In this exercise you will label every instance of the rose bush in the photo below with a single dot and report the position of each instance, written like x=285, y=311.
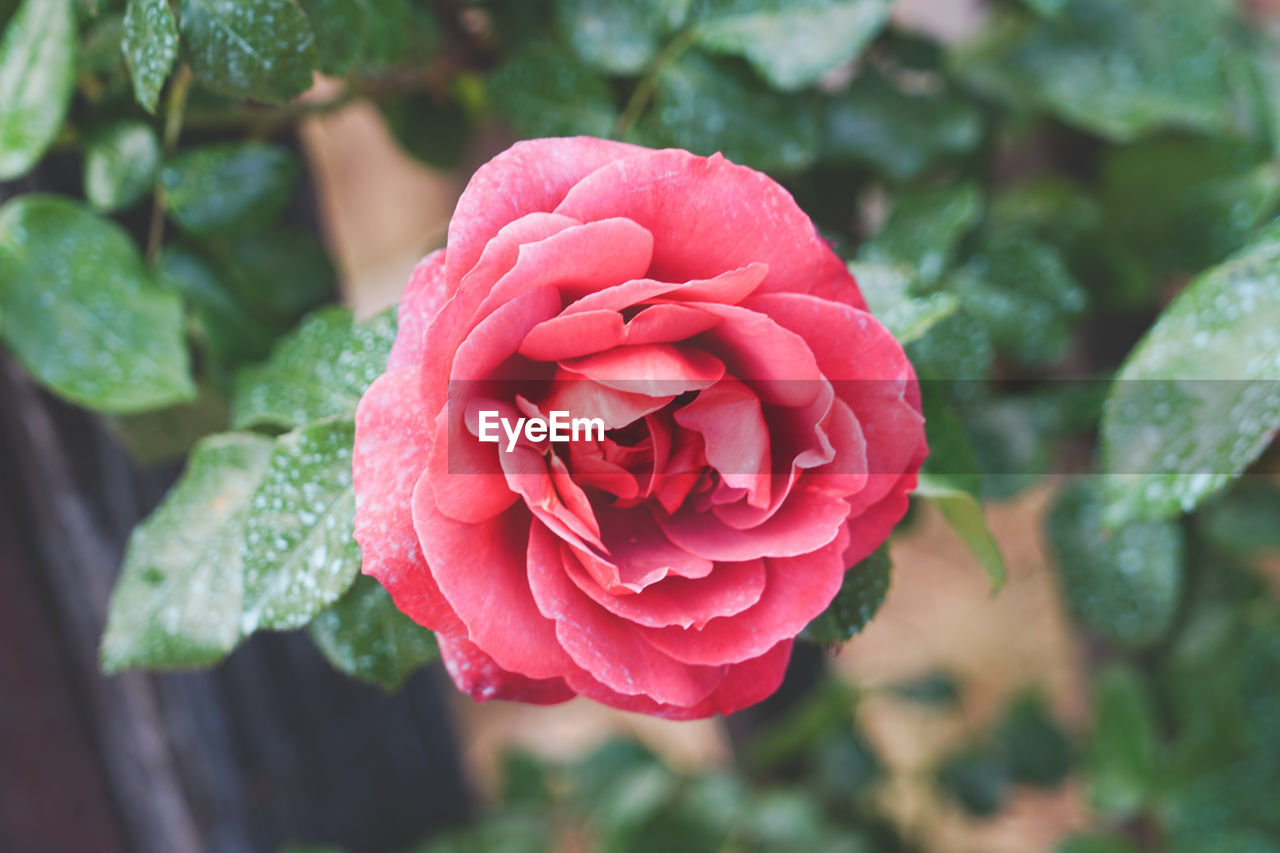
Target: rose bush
x=764, y=432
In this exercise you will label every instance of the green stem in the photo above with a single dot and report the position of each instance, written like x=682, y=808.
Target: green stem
x=642, y=94
x=174, y=108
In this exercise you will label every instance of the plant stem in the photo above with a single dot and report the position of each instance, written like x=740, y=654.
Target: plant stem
x=174, y=108
x=648, y=83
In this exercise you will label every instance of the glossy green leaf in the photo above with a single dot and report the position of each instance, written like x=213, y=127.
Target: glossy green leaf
x=300, y=555
x=901, y=134
x=861, y=594
x=545, y=92
x=150, y=48
x=120, y=165
x=259, y=49
x=1122, y=755
x=619, y=36
x=320, y=370
x=365, y=636
x=79, y=309
x=228, y=186
x=1118, y=69
x=1198, y=398
x=704, y=105
x=340, y=28
x=177, y=603
x=1122, y=583
x=37, y=72
x=792, y=43
x=924, y=230
x=963, y=512
x=232, y=331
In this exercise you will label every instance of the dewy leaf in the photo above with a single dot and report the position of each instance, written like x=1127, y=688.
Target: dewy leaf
x=120, y=165
x=707, y=105
x=1124, y=583
x=792, y=43
x=900, y=133
x=365, y=636
x=320, y=370
x=1118, y=69
x=1198, y=398
x=546, y=92
x=37, y=72
x=228, y=186
x=963, y=512
x=300, y=554
x=259, y=49
x=860, y=596
x=618, y=36
x=177, y=603
x=340, y=27
x=924, y=229
x=150, y=48
x=79, y=309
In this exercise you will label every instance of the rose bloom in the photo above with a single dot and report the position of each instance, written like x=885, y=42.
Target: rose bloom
x=763, y=432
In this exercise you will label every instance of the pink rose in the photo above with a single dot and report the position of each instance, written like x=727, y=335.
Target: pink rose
x=763, y=432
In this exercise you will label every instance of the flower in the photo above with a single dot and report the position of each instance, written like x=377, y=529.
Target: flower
x=763, y=432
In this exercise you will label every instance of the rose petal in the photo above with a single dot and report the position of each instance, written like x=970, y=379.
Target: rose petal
x=807, y=520
x=654, y=370
x=480, y=677
x=666, y=322
x=423, y=297
x=573, y=335
x=729, y=419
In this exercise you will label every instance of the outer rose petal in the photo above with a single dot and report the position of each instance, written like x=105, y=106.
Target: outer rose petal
x=423, y=298
x=392, y=444
x=528, y=177
x=480, y=677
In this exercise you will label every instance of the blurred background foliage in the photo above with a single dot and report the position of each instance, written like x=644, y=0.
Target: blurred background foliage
x=1067, y=216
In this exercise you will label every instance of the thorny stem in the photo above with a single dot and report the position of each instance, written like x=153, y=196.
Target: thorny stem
x=174, y=107
x=648, y=83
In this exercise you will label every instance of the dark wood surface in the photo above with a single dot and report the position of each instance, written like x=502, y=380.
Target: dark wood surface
x=271, y=747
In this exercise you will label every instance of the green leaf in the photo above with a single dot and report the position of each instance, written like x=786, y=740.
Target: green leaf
x=793, y=43
x=937, y=689
x=545, y=92
x=299, y=552
x=120, y=165
x=925, y=228
x=1096, y=843
x=1118, y=69
x=977, y=779
x=963, y=512
x=150, y=48
x=320, y=370
x=618, y=36
x=1021, y=290
x=1123, y=583
x=901, y=134
x=259, y=49
x=1036, y=747
x=1122, y=754
x=1243, y=520
x=340, y=28
x=79, y=309
x=365, y=636
x=951, y=456
x=228, y=186
x=1198, y=398
x=37, y=73
x=954, y=346
x=1047, y=7
x=169, y=433
x=860, y=596
x=706, y=106
x=279, y=273
x=229, y=328
x=177, y=603
x=435, y=131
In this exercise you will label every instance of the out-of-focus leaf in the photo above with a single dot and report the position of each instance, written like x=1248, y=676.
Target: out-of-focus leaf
x=37, y=72
x=1124, y=583
x=1038, y=751
x=228, y=186
x=365, y=636
x=279, y=273
x=924, y=229
x=963, y=512
x=120, y=165
x=1198, y=398
x=707, y=106
x=1096, y=844
x=318, y=371
x=954, y=346
x=150, y=48
x=258, y=49
x=1243, y=520
x=901, y=134
x=340, y=32
x=169, y=433
x=1020, y=289
x=1122, y=759
x=399, y=31
x=792, y=43
x=79, y=309
x=299, y=553
x=619, y=36
x=977, y=779
x=860, y=596
x=1117, y=69
x=939, y=689
x=177, y=603
x=434, y=131
x=232, y=332
x=545, y=92
x=951, y=457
